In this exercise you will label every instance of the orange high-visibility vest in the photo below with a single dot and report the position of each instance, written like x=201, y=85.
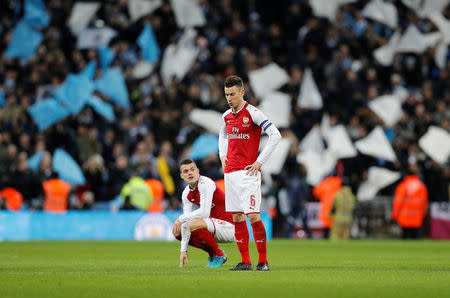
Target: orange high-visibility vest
x=326, y=192
x=56, y=195
x=220, y=184
x=410, y=202
x=13, y=198
x=156, y=187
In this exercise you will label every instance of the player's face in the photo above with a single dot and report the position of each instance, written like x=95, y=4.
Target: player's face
x=189, y=173
x=234, y=96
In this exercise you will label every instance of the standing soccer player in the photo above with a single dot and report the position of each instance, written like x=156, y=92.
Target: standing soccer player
x=238, y=149
x=209, y=223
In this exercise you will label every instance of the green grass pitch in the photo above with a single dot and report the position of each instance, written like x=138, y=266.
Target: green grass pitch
x=299, y=269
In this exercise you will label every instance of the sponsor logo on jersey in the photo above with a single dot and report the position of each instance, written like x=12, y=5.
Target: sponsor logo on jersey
x=237, y=135
x=243, y=136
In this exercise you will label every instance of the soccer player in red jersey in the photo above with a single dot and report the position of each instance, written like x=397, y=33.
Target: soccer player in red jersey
x=238, y=149
x=209, y=223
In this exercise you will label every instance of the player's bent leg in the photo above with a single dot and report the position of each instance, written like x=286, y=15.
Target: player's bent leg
x=197, y=223
x=176, y=230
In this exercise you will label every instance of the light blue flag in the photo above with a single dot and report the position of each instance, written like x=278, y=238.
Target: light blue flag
x=89, y=70
x=34, y=161
x=112, y=85
x=24, y=42
x=47, y=113
x=75, y=92
x=147, y=42
x=204, y=145
x=35, y=14
x=67, y=168
x=106, y=57
x=2, y=98
x=103, y=108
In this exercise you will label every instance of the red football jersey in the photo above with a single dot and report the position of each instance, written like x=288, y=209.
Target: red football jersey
x=201, y=196
x=243, y=131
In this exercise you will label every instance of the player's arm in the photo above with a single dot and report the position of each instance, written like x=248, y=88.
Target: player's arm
x=185, y=237
x=206, y=189
x=274, y=138
x=188, y=207
x=223, y=144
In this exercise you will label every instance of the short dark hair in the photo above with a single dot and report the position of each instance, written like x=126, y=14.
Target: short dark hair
x=186, y=161
x=233, y=81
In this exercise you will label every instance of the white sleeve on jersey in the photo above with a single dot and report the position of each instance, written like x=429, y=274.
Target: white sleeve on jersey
x=188, y=207
x=206, y=188
x=261, y=120
x=185, y=237
x=223, y=141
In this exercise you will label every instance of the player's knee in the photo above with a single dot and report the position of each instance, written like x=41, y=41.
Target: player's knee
x=254, y=217
x=238, y=217
x=176, y=233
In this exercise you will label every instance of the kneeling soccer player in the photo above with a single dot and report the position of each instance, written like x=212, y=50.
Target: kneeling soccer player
x=207, y=225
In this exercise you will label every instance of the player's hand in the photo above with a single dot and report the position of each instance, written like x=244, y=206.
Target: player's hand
x=253, y=168
x=224, y=160
x=183, y=258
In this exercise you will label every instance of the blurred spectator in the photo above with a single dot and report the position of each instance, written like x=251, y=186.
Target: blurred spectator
x=342, y=212
x=410, y=204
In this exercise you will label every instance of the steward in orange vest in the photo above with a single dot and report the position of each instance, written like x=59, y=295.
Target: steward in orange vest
x=56, y=195
x=410, y=205
x=326, y=192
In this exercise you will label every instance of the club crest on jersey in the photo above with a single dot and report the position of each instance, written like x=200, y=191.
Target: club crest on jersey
x=245, y=121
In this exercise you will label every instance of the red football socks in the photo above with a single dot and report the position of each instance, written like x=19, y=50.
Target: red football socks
x=259, y=233
x=241, y=235
x=203, y=239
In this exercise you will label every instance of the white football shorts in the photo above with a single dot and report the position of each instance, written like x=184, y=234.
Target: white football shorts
x=242, y=192
x=223, y=231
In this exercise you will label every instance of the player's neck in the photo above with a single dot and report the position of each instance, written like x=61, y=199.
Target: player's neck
x=239, y=107
x=193, y=185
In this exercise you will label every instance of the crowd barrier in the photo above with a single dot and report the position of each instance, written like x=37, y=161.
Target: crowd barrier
x=94, y=225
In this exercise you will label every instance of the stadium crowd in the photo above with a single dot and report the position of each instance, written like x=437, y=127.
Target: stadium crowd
x=239, y=37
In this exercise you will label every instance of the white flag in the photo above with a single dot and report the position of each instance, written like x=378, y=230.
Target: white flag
x=378, y=178
x=327, y=8
x=142, y=69
x=339, y=143
x=81, y=15
x=388, y=108
x=436, y=144
x=377, y=145
x=140, y=8
x=94, y=38
x=424, y=7
x=208, y=119
x=382, y=12
x=179, y=58
x=267, y=79
x=278, y=157
x=312, y=141
x=440, y=54
x=385, y=54
x=442, y=23
x=188, y=13
x=412, y=41
x=317, y=165
x=325, y=125
x=277, y=107
x=309, y=96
